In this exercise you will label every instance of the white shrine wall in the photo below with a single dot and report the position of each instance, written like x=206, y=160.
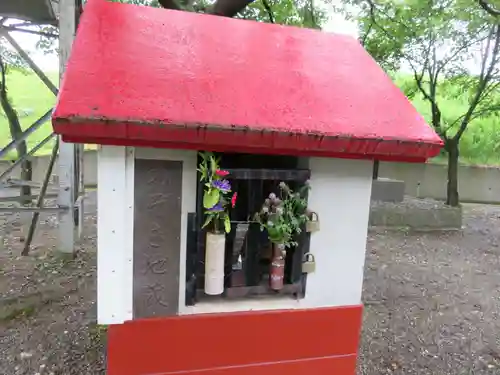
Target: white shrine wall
x=340, y=194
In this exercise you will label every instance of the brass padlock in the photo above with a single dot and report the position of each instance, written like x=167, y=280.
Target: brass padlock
x=312, y=225
x=309, y=263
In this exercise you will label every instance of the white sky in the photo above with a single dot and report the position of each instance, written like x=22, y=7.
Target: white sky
x=49, y=63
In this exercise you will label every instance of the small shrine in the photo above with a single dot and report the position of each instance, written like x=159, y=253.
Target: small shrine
x=234, y=178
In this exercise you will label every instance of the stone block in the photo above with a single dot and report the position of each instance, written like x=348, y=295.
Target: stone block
x=387, y=190
x=416, y=214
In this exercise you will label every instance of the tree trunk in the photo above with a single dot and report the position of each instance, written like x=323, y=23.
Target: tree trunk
x=452, y=197
x=15, y=132
x=26, y=175
x=376, y=165
x=225, y=8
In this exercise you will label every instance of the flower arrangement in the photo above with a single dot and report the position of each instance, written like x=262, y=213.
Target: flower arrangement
x=217, y=194
x=283, y=217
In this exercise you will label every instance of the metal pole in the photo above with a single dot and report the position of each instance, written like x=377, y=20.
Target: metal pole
x=81, y=189
x=81, y=148
x=67, y=180
x=34, y=209
x=41, y=197
x=28, y=31
x=24, y=157
x=26, y=133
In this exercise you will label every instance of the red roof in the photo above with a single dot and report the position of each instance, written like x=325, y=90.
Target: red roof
x=162, y=78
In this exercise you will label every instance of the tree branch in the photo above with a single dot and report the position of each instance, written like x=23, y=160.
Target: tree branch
x=431, y=98
x=374, y=22
x=268, y=10
x=458, y=51
x=170, y=4
x=187, y=3
x=3, y=74
x=229, y=8
x=477, y=114
x=490, y=89
x=313, y=15
x=373, y=7
x=489, y=8
x=367, y=34
x=224, y=8
x=484, y=78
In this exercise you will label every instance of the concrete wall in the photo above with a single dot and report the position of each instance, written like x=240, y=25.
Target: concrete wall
x=415, y=214
x=476, y=184
x=40, y=164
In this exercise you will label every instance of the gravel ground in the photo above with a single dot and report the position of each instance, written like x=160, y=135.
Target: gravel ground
x=431, y=301
x=47, y=304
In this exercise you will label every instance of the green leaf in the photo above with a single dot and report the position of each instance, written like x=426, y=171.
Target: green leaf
x=210, y=198
x=208, y=220
x=213, y=164
x=227, y=224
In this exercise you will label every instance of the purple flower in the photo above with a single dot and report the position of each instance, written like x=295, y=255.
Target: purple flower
x=216, y=208
x=222, y=185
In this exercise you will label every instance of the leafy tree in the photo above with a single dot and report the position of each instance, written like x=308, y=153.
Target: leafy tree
x=436, y=40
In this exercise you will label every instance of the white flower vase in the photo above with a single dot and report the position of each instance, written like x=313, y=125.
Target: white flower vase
x=214, y=263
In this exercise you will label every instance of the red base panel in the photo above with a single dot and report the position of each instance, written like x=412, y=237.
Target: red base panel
x=288, y=342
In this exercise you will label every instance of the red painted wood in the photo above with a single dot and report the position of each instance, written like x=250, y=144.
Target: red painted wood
x=271, y=143
x=221, y=343
x=146, y=74
x=208, y=147
x=331, y=366
x=222, y=148
x=252, y=149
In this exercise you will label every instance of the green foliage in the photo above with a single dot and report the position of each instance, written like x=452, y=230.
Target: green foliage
x=216, y=194
x=283, y=217
x=302, y=13
x=480, y=144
